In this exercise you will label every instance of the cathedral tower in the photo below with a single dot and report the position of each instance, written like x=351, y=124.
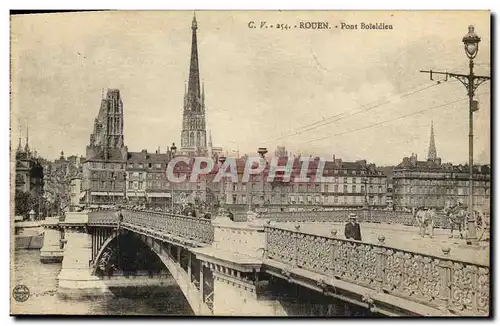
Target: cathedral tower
x=107, y=136
x=193, y=136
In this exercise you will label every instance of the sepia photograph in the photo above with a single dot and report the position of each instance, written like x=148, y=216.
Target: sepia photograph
x=250, y=163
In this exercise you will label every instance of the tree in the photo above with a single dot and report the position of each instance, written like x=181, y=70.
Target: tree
x=22, y=203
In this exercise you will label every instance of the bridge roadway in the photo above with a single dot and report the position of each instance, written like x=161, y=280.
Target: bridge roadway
x=402, y=237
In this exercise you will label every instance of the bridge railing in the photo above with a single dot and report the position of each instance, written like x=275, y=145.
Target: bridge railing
x=108, y=217
x=341, y=216
x=434, y=281
x=193, y=228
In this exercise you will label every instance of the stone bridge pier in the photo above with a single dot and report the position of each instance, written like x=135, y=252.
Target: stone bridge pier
x=52, y=249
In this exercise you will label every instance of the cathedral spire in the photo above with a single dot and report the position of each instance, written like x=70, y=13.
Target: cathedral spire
x=432, y=154
x=194, y=72
x=193, y=135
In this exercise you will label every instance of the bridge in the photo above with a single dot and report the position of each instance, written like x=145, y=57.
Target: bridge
x=270, y=267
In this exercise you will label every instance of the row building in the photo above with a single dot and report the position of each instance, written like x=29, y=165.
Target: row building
x=431, y=183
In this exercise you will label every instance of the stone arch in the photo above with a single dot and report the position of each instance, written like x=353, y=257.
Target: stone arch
x=191, y=293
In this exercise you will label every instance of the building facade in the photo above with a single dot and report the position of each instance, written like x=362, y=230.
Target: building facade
x=433, y=184
x=353, y=185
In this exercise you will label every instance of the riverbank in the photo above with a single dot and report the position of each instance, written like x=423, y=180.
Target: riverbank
x=29, y=242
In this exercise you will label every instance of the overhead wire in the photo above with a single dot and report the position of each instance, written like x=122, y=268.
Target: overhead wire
x=388, y=121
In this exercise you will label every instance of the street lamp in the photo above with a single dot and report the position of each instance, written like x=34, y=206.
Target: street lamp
x=471, y=82
x=471, y=43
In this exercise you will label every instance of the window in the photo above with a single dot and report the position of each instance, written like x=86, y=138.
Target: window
x=140, y=185
x=150, y=165
x=353, y=188
x=141, y=166
x=345, y=188
x=131, y=165
x=235, y=187
x=158, y=165
x=335, y=199
x=244, y=188
x=150, y=184
x=326, y=188
x=336, y=188
x=131, y=184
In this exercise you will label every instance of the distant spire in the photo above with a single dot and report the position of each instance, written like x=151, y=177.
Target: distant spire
x=20, y=146
x=432, y=154
x=26, y=147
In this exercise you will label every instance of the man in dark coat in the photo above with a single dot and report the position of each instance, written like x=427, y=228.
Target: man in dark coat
x=352, y=229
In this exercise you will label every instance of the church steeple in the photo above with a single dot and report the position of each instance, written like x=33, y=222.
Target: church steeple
x=432, y=154
x=194, y=72
x=193, y=136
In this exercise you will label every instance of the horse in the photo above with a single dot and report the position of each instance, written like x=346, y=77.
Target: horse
x=457, y=216
x=425, y=219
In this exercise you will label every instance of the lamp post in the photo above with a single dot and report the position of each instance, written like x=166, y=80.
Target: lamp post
x=124, y=187
x=471, y=82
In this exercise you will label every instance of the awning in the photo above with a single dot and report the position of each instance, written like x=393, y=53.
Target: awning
x=102, y=193
x=136, y=194
x=159, y=194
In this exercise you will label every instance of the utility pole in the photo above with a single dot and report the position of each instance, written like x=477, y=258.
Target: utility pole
x=471, y=83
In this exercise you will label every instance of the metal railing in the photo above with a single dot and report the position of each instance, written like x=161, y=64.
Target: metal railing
x=103, y=218
x=370, y=216
x=200, y=230
x=434, y=281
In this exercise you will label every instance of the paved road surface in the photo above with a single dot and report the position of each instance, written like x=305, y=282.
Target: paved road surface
x=404, y=237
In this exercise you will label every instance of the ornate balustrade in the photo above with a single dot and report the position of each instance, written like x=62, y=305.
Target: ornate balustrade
x=200, y=230
x=371, y=216
x=103, y=218
x=461, y=287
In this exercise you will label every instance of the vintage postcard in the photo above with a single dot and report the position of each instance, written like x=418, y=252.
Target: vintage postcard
x=251, y=163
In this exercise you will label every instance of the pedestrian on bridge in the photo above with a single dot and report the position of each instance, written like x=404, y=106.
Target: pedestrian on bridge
x=352, y=228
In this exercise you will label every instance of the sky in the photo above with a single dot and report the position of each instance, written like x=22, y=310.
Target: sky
x=263, y=87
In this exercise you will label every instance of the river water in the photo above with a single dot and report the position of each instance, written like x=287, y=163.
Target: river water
x=41, y=281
